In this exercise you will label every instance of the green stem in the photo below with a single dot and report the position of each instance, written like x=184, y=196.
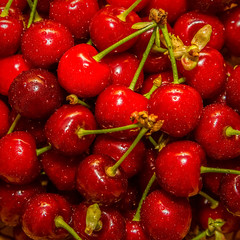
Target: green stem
x=124, y=15
x=111, y=171
x=36, y=16
x=73, y=99
x=60, y=223
x=143, y=60
x=158, y=49
x=14, y=124
x=89, y=42
x=219, y=170
x=83, y=132
x=154, y=143
x=102, y=54
x=152, y=90
x=6, y=9
x=170, y=50
x=32, y=14
x=200, y=236
x=43, y=150
x=214, y=203
x=229, y=131
x=145, y=193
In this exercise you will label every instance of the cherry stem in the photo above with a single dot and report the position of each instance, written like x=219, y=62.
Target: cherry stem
x=154, y=143
x=155, y=48
x=143, y=60
x=102, y=54
x=32, y=14
x=83, y=132
x=73, y=99
x=214, y=203
x=145, y=193
x=37, y=16
x=43, y=150
x=124, y=15
x=89, y=42
x=219, y=170
x=60, y=223
x=201, y=235
x=6, y=9
x=171, y=54
x=12, y=127
x=229, y=131
x=111, y=171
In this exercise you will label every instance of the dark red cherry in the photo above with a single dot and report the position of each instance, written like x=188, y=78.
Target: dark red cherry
x=13, y=200
x=4, y=115
x=35, y=94
x=18, y=158
x=80, y=74
x=208, y=81
x=106, y=28
x=180, y=106
x=165, y=216
x=114, y=107
x=211, y=132
x=75, y=15
x=61, y=129
x=95, y=185
x=10, y=68
x=189, y=23
x=44, y=42
x=112, y=224
x=39, y=215
x=128, y=3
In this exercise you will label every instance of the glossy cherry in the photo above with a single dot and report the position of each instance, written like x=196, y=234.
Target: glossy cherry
x=180, y=106
x=61, y=129
x=35, y=94
x=44, y=42
x=4, y=116
x=94, y=183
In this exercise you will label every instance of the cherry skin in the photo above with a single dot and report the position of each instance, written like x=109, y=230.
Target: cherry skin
x=44, y=42
x=75, y=15
x=165, y=216
x=80, y=74
x=95, y=185
x=115, y=148
x=208, y=81
x=114, y=107
x=15, y=65
x=35, y=94
x=22, y=165
x=180, y=106
x=61, y=129
x=113, y=224
x=20, y=4
x=210, y=132
x=106, y=28
x=189, y=23
x=4, y=115
x=39, y=215
x=128, y=3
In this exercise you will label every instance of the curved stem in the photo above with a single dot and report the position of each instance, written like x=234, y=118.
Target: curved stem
x=32, y=14
x=12, y=127
x=145, y=193
x=200, y=236
x=143, y=60
x=152, y=90
x=219, y=170
x=73, y=99
x=229, y=131
x=60, y=223
x=43, y=150
x=6, y=9
x=111, y=171
x=102, y=54
x=214, y=203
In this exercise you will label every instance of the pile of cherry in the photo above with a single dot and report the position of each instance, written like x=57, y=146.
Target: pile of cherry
x=119, y=120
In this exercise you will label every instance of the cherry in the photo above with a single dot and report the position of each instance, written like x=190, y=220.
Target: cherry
x=95, y=185
x=189, y=23
x=40, y=214
x=22, y=165
x=35, y=94
x=179, y=106
x=44, y=42
x=75, y=15
x=115, y=148
x=165, y=216
x=211, y=132
x=4, y=115
x=43, y=6
x=13, y=200
x=61, y=129
x=111, y=224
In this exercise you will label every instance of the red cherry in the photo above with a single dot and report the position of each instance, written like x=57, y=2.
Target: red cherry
x=44, y=42
x=35, y=94
x=4, y=115
x=61, y=129
x=180, y=106
x=128, y=3
x=82, y=75
x=22, y=165
x=165, y=216
x=39, y=215
x=95, y=185
x=106, y=28
x=75, y=15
